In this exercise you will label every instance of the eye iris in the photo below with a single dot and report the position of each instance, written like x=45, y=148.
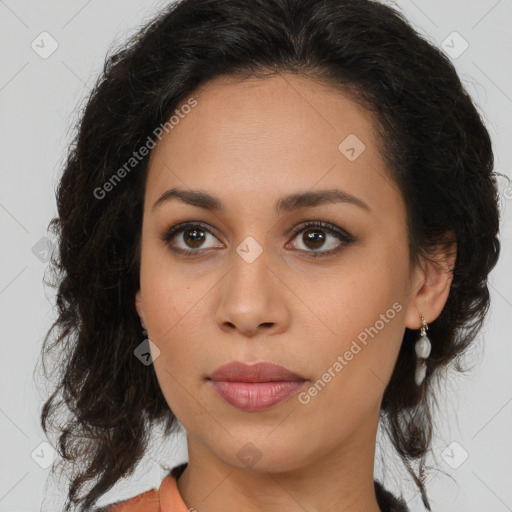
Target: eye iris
x=194, y=237
x=314, y=237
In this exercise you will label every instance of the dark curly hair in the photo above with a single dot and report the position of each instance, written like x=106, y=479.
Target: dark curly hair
x=430, y=134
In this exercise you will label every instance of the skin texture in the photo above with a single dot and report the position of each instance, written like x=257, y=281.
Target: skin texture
x=249, y=143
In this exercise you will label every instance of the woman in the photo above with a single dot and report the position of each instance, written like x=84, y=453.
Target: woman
x=276, y=226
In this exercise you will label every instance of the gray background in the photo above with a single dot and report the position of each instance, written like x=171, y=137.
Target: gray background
x=40, y=99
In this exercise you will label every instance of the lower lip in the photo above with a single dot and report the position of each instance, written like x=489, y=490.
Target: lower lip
x=256, y=396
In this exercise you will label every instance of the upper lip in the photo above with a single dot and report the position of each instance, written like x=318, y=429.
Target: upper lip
x=236, y=371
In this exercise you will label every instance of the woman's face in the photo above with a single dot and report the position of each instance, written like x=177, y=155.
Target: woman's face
x=331, y=309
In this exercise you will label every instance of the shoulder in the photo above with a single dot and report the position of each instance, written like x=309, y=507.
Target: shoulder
x=148, y=501
x=167, y=497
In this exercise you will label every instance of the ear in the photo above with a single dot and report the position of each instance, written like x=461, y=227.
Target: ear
x=140, y=308
x=431, y=282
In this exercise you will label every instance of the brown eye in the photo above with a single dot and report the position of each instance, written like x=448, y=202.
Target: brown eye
x=194, y=237
x=190, y=238
x=318, y=239
x=313, y=238
x=321, y=239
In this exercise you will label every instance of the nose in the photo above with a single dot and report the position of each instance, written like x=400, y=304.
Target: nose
x=253, y=299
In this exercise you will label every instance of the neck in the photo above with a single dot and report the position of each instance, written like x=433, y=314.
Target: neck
x=340, y=480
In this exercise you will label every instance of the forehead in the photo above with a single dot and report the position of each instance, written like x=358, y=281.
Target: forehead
x=258, y=138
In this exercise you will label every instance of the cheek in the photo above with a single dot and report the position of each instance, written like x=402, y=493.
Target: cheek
x=171, y=292
x=354, y=365
x=178, y=311
x=174, y=308
x=363, y=309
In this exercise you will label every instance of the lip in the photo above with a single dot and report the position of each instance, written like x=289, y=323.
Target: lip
x=236, y=371
x=256, y=386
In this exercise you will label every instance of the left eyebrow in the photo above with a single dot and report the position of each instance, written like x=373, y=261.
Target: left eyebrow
x=284, y=205
x=310, y=199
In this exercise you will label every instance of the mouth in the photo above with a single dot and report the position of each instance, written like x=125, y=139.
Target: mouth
x=255, y=387
x=237, y=371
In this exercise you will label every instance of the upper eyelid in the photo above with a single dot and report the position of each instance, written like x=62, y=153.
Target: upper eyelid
x=327, y=225
x=295, y=230
x=178, y=228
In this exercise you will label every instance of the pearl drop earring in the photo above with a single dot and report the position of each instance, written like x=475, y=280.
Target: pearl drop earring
x=422, y=348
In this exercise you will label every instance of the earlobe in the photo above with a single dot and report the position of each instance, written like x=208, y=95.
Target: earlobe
x=140, y=308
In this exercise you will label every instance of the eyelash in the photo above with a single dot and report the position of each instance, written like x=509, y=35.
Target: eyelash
x=344, y=237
